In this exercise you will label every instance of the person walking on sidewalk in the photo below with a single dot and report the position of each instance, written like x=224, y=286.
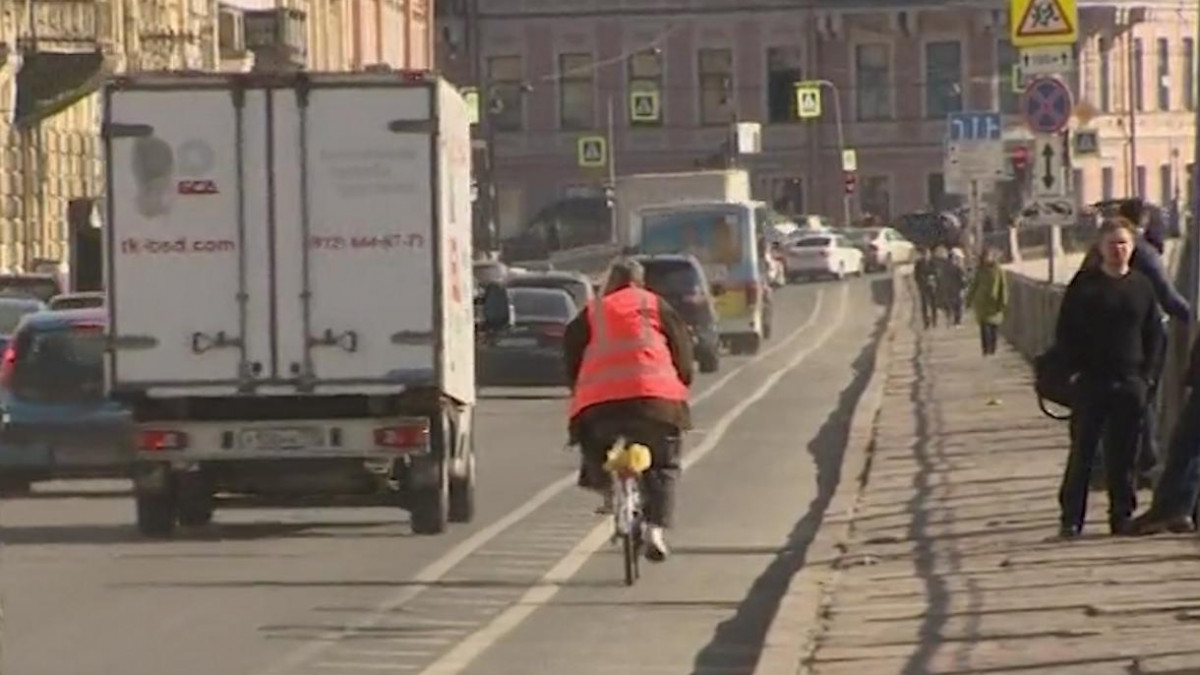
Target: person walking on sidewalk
x=1108, y=327
x=951, y=280
x=987, y=296
x=925, y=275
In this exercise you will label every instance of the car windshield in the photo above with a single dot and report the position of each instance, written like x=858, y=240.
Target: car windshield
x=11, y=313
x=713, y=235
x=814, y=242
x=533, y=305
x=859, y=236
x=77, y=302
x=61, y=364
x=577, y=288
x=670, y=278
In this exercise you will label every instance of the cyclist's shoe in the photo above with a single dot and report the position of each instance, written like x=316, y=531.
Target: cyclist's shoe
x=606, y=507
x=656, y=544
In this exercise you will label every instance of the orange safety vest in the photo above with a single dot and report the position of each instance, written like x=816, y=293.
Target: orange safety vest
x=627, y=356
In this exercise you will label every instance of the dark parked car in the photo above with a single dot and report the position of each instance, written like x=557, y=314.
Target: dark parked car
x=13, y=308
x=57, y=421
x=680, y=279
x=578, y=285
x=529, y=352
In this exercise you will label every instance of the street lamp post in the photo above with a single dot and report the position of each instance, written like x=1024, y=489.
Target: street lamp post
x=841, y=138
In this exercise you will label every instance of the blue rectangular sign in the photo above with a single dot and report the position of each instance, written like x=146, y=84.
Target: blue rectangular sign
x=974, y=126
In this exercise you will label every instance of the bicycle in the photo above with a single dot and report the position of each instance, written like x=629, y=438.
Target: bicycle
x=626, y=463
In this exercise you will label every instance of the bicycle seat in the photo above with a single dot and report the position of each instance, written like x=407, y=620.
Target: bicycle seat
x=632, y=458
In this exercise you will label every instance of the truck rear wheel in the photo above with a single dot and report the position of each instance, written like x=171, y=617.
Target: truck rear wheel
x=194, y=502
x=430, y=507
x=462, y=488
x=156, y=513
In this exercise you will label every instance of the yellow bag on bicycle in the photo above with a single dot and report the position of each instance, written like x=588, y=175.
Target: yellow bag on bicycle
x=633, y=457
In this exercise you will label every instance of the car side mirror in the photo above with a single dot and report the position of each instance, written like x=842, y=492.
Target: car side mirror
x=497, y=308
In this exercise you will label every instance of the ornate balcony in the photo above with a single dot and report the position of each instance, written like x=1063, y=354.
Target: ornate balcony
x=277, y=37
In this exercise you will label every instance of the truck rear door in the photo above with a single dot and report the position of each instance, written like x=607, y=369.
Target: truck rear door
x=354, y=238
x=186, y=205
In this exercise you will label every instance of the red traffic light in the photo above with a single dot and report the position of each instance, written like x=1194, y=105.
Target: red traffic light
x=850, y=180
x=1020, y=157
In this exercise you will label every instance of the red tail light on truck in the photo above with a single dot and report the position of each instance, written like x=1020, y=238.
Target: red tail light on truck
x=156, y=440
x=409, y=435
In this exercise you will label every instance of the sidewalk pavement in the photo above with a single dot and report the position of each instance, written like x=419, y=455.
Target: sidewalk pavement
x=951, y=566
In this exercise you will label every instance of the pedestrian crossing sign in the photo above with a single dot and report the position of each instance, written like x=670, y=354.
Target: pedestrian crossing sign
x=593, y=151
x=643, y=106
x=808, y=100
x=1037, y=23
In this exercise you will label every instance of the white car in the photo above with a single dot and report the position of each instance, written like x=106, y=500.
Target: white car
x=882, y=247
x=822, y=255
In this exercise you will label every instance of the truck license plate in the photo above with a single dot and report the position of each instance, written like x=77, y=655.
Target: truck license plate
x=282, y=438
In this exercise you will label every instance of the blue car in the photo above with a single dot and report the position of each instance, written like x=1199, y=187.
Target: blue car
x=55, y=420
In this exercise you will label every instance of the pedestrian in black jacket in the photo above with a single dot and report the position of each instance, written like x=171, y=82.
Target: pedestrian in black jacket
x=1108, y=325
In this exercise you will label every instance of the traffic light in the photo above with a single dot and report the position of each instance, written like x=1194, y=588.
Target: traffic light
x=1020, y=158
x=850, y=180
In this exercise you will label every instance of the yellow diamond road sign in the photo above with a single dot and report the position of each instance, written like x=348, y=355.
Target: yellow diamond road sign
x=1038, y=23
x=808, y=100
x=593, y=151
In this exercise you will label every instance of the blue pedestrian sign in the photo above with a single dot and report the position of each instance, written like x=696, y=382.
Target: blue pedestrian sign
x=1047, y=105
x=974, y=126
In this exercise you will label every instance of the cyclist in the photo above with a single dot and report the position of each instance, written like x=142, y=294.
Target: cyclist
x=629, y=362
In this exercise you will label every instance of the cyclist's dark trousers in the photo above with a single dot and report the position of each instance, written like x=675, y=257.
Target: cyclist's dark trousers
x=665, y=445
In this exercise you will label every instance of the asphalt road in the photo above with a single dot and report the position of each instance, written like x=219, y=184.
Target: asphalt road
x=532, y=586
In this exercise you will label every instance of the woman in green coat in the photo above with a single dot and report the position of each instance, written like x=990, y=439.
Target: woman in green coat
x=987, y=295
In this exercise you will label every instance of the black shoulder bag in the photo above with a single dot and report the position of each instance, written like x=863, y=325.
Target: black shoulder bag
x=1052, y=375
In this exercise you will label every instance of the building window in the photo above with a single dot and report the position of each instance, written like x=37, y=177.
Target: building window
x=506, y=105
x=646, y=75
x=1190, y=188
x=1140, y=188
x=1105, y=76
x=877, y=196
x=1139, y=77
x=1106, y=183
x=1006, y=62
x=576, y=92
x=787, y=196
x=1164, y=76
x=873, y=82
x=935, y=190
x=943, y=79
x=784, y=70
x=1166, y=191
x=716, y=86
x=1189, y=74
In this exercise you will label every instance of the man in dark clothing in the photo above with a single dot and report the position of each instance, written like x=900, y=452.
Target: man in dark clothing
x=1109, y=326
x=926, y=276
x=654, y=422
x=1146, y=259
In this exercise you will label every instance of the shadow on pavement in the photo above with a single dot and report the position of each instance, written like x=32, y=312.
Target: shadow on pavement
x=128, y=534
x=737, y=642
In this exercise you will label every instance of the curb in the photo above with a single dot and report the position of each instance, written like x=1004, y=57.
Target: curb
x=792, y=636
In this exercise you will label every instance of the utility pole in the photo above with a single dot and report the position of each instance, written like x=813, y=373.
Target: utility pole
x=485, y=183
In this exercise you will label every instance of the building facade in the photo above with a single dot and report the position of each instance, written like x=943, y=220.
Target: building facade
x=53, y=62
x=549, y=70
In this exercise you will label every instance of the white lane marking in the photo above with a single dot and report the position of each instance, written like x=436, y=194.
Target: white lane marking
x=464, y=653
x=390, y=653
x=436, y=570
x=356, y=665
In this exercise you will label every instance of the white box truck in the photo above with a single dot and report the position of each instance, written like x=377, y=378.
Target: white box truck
x=289, y=291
